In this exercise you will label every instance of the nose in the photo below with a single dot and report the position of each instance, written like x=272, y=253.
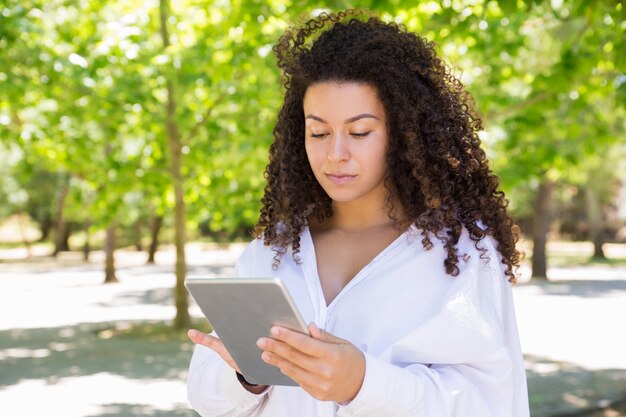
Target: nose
x=338, y=148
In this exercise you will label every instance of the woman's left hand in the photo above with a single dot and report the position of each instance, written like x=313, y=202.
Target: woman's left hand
x=327, y=367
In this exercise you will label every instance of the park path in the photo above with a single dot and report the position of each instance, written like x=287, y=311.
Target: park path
x=54, y=361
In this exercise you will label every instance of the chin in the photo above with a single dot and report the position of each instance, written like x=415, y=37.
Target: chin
x=342, y=196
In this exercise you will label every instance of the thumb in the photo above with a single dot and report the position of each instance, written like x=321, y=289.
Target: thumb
x=323, y=335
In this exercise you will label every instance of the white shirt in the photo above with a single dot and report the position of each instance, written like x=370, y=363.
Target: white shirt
x=435, y=345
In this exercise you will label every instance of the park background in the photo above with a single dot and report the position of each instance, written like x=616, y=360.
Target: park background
x=133, y=139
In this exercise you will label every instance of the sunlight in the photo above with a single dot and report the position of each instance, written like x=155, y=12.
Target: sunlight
x=82, y=396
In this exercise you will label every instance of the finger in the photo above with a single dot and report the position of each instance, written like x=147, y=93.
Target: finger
x=289, y=353
x=214, y=344
x=324, y=336
x=201, y=338
x=301, y=342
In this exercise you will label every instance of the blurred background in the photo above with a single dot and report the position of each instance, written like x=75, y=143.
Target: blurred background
x=133, y=139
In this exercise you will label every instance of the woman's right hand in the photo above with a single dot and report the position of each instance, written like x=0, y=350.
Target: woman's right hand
x=214, y=344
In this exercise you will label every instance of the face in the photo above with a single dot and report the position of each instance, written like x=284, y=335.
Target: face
x=346, y=140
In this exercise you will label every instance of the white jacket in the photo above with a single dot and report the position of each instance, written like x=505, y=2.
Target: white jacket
x=435, y=345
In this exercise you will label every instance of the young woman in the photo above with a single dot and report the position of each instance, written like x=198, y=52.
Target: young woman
x=384, y=221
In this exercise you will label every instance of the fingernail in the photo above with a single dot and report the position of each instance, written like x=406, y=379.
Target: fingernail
x=275, y=331
x=265, y=356
x=192, y=333
x=261, y=342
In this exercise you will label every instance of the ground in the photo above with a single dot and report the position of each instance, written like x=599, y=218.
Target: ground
x=63, y=353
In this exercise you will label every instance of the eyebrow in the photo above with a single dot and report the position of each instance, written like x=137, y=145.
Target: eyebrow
x=350, y=120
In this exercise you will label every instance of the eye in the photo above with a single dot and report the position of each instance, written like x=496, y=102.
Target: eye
x=361, y=135
x=319, y=135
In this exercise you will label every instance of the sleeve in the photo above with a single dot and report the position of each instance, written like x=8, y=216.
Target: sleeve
x=212, y=386
x=464, y=359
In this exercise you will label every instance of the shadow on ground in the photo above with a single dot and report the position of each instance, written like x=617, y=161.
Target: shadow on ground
x=51, y=354
x=154, y=296
x=581, y=288
x=128, y=410
x=562, y=388
x=46, y=264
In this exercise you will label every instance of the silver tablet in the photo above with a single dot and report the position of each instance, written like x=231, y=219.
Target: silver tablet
x=241, y=310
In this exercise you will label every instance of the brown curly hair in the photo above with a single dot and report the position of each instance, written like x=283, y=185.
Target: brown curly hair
x=436, y=168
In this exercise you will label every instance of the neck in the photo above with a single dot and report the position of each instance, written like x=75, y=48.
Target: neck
x=358, y=216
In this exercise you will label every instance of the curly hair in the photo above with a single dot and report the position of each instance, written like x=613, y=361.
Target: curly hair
x=436, y=168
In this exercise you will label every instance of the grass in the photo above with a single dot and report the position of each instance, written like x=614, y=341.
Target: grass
x=18, y=245
x=152, y=331
x=575, y=254
x=563, y=261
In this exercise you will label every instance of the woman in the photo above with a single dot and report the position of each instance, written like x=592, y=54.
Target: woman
x=383, y=219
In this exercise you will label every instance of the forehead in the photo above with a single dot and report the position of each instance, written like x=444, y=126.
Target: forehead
x=335, y=100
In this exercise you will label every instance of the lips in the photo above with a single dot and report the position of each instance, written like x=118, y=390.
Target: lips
x=340, y=178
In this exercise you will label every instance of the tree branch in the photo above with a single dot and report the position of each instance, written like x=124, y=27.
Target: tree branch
x=519, y=106
x=207, y=114
x=205, y=117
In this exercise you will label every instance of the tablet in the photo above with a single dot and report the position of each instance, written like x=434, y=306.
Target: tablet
x=241, y=310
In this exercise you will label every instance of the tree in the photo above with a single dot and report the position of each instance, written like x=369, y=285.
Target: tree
x=166, y=113
x=547, y=77
x=182, y=318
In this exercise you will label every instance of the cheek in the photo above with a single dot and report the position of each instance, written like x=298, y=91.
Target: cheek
x=309, y=154
x=313, y=154
x=377, y=163
x=374, y=157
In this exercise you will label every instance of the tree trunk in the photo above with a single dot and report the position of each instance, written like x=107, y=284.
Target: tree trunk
x=155, y=227
x=137, y=231
x=20, y=224
x=541, y=226
x=60, y=238
x=182, y=319
x=64, y=244
x=45, y=226
x=109, y=249
x=594, y=219
x=86, y=245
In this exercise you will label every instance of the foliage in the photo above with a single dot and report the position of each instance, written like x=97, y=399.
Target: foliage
x=83, y=88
